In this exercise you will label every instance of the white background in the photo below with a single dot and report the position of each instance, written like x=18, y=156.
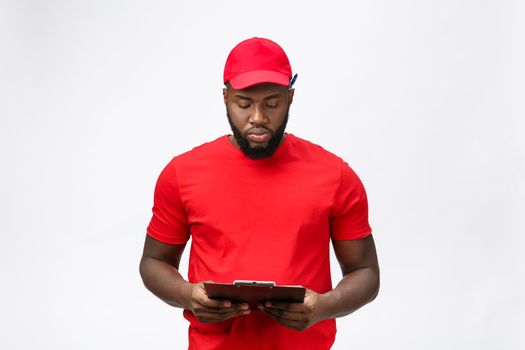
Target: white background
x=424, y=99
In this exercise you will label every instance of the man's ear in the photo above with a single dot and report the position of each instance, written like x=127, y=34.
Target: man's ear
x=290, y=95
x=224, y=92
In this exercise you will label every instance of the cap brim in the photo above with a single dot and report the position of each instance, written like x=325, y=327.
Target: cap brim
x=245, y=80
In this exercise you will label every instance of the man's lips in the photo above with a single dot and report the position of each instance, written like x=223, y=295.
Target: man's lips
x=258, y=135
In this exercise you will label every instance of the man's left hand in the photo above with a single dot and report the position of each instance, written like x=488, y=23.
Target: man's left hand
x=298, y=316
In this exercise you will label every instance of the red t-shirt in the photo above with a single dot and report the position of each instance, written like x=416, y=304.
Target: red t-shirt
x=269, y=219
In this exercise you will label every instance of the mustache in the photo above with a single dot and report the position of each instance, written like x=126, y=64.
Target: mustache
x=258, y=127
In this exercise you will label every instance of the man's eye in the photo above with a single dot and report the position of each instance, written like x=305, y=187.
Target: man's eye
x=272, y=106
x=243, y=106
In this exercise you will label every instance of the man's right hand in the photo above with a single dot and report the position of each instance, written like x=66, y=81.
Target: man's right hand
x=209, y=310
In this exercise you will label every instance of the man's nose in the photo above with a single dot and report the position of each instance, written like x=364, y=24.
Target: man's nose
x=257, y=117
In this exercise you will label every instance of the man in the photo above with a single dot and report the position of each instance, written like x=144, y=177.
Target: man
x=260, y=204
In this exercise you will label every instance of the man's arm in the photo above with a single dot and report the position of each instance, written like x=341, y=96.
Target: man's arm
x=360, y=283
x=359, y=286
x=159, y=271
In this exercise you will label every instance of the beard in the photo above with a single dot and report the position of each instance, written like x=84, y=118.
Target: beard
x=259, y=152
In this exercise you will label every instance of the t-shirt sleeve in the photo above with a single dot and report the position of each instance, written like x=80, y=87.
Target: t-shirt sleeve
x=349, y=219
x=169, y=221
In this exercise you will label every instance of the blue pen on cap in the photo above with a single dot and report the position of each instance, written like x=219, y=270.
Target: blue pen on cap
x=293, y=80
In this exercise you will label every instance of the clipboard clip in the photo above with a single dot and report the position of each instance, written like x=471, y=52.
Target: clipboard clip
x=254, y=283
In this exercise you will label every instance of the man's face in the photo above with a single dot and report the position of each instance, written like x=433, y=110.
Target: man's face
x=258, y=117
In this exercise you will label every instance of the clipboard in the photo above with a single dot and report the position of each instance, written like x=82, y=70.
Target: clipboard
x=254, y=292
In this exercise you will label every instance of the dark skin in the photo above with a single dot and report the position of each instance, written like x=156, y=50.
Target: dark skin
x=263, y=107
x=359, y=286
x=159, y=270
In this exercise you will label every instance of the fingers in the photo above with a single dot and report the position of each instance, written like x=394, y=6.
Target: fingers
x=213, y=310
x=214, y=303
x=291, y=320
x=211, y=315
x=285, y=311
x=292, y=307
x=200, y=296
x=299, y=316
x=223, y=309
x=283, y=315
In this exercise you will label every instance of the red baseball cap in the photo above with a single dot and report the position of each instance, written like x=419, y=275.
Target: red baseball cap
x=256, y=61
